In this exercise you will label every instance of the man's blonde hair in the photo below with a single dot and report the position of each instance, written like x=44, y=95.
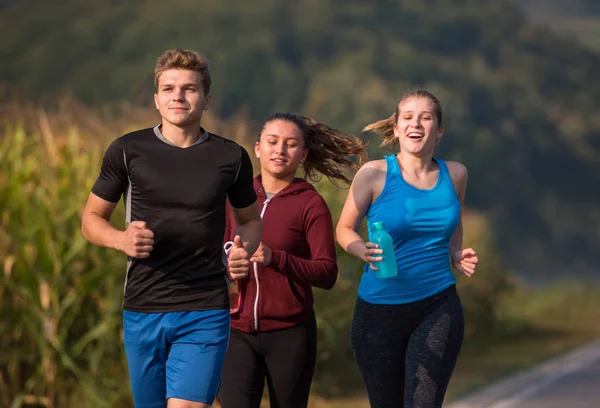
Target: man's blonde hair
x=180, y=58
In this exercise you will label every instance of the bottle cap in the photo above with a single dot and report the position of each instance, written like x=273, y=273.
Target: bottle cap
x=378, y=226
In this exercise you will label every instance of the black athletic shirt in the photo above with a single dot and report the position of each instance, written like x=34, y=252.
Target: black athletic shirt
x=181, y=194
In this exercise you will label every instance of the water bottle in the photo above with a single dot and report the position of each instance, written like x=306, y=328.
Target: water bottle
x=387, y=267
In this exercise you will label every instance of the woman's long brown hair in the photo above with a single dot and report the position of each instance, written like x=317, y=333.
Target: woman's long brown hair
x=329, y=150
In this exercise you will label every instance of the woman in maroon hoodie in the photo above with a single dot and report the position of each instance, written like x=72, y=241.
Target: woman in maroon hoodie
x=274, y=334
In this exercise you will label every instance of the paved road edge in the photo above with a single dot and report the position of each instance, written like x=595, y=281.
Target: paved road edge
x=508, y=392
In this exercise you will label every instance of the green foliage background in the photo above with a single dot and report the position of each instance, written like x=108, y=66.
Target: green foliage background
x=519, y=100
x=60, y=297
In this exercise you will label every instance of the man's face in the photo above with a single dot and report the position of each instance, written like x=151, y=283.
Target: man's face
x=180, y=97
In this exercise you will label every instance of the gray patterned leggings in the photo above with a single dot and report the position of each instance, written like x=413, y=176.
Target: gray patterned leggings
x=406, y=353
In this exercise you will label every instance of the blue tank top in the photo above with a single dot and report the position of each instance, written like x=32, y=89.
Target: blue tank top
x=421, y=223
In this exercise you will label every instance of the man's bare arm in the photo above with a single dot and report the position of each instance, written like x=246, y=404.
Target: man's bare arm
x=249, y=226
x=137, y=241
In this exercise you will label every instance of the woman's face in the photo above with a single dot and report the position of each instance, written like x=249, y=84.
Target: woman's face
x=280, y=149
x=417, y=128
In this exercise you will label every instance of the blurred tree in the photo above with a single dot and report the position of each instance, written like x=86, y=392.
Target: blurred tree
x=519, y=100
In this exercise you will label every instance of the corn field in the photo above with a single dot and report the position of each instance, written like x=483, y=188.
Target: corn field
x=60, y=297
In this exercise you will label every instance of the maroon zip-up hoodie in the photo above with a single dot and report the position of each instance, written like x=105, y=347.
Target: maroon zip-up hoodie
x=298, y=228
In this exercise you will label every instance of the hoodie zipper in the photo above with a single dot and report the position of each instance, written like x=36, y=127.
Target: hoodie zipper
x=262, y=213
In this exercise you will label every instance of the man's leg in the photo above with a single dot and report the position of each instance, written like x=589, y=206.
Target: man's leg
x=146, y=350
x=179, y=403
x=198, y=345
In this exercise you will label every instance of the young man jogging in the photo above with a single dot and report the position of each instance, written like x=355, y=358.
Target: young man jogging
x=175, y=180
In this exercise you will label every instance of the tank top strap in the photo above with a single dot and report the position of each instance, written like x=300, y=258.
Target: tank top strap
x=393, y=171
x=444, y=172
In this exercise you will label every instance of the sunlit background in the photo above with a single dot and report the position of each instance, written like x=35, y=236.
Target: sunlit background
x=520, y=87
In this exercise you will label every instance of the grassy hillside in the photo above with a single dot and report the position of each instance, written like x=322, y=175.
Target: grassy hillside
x=579, y=18
x=520, y=100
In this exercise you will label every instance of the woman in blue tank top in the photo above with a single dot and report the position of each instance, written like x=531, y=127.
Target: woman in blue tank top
x=407, y=329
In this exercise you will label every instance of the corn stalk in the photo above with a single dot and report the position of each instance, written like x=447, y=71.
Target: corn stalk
x=59, y=296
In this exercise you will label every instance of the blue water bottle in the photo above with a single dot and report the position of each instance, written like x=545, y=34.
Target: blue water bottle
x=387, y=267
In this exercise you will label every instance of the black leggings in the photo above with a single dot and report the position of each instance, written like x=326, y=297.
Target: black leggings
x=286, y=358
x=406, y=353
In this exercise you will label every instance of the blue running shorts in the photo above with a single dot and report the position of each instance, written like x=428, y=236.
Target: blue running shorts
x=175, y=355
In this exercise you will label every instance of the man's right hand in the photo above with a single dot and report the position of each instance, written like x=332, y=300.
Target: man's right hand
x=239, y=260
x=137, y=240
